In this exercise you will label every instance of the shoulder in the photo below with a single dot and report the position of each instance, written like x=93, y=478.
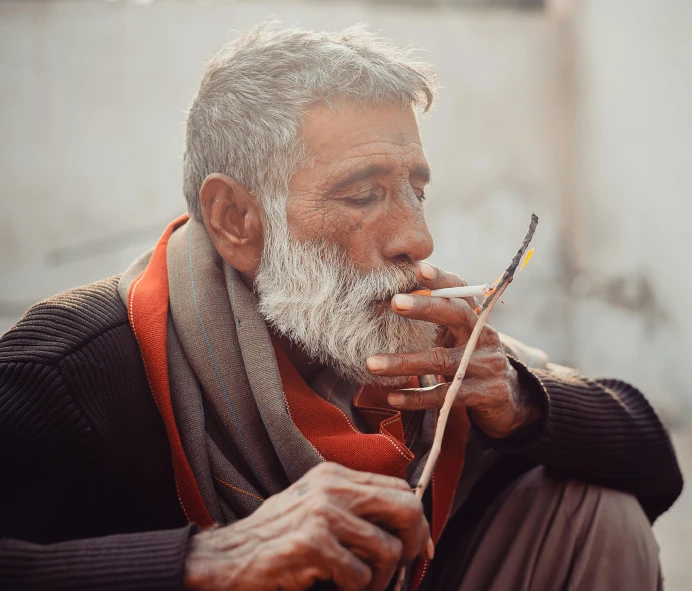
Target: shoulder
x=65, y=323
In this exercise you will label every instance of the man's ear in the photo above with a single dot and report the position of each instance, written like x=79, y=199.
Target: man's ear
x=235, y=222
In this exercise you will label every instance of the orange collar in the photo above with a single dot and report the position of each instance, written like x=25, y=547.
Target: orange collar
x=147, y=311
x=335, y=437
x=324, y=425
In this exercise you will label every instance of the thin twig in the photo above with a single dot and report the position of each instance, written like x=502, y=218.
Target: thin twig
x=454, y=387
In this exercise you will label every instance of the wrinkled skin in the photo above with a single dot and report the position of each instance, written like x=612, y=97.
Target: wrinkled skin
x=490, y=390
x=334, y=524
x=363, y=190
x=378, y=218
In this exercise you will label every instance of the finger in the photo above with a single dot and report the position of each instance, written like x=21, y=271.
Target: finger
x=455, y=314
x=436, y=361
x=344, y=568
x=317, y=559
x=435, y=278
x=485, y=362
x=400, y=513
x=474, y=392
x=418, y=398
x=378, y=548
x=452, y=312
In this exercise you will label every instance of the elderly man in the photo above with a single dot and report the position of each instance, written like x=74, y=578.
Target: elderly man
x=242, y=409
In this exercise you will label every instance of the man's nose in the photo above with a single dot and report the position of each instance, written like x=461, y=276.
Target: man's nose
x=406, y=236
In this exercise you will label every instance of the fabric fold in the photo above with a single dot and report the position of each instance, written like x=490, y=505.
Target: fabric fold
x=241, y=422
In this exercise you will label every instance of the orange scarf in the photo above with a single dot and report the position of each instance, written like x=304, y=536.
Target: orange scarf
x=328, y=429
x=384, y=452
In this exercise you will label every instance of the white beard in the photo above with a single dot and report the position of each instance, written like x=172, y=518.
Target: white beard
x=312, y=294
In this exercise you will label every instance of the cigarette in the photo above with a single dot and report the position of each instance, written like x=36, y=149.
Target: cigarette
x=467, y=291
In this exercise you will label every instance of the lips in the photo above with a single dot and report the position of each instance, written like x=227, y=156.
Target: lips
x=383, y=304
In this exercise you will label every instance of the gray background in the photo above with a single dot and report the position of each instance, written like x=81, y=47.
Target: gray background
x=576, y=110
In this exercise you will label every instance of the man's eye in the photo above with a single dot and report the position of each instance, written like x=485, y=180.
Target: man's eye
x=420, y=194
x=362, y=201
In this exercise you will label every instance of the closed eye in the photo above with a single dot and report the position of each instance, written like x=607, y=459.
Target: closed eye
x=362, y=201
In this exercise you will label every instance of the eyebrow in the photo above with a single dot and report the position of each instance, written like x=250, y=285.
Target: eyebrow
x=420, y=171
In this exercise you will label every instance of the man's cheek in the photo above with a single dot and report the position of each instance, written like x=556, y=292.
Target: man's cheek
x=356, y=241
x=306, y=224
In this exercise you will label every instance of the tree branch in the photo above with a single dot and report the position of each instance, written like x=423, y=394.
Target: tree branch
x=454, y=387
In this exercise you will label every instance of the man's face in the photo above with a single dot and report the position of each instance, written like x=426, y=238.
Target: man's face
x=352, y=230
x=364, y=187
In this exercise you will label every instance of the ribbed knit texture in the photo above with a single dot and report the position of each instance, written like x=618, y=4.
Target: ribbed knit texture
x=149, y=560
x=84, y=454
x=603, y=431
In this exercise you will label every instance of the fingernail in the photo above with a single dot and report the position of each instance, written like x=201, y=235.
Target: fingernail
x=376, y=363
x=430, y=549
x=403, y=302
x=427, y=271
x=395, y=399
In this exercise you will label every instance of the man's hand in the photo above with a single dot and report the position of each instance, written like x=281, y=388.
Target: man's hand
x=334, y=524
x=490, y=390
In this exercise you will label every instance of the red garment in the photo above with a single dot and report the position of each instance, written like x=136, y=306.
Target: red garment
x=382, y=452
x=147, y=311
x=321, y=423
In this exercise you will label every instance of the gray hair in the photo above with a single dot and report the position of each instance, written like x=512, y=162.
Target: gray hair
x=246, y=118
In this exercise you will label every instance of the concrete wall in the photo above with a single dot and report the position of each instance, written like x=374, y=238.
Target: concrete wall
x=537, y=113
x=632, y=195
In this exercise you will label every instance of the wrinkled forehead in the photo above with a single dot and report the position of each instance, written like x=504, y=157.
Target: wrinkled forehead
x=342, y=139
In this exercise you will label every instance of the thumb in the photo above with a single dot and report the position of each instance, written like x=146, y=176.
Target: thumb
x=418, y=398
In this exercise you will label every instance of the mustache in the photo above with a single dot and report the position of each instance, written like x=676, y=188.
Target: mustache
x=385, y=282
x=319, y=297
x=348, y=281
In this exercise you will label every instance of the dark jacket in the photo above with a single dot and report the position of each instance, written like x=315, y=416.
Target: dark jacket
x=88, y=498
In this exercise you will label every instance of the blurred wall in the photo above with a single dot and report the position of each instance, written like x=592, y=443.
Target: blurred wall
x=632, y=195
x=579, y=115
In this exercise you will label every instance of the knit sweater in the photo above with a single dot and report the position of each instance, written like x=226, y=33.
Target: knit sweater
x=88, y=498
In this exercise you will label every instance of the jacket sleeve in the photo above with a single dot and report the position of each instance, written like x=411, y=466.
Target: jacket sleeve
x=148, y=560
x=46, y=454
x=602, y=431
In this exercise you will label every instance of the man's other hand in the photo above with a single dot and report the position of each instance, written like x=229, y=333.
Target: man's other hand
x=490, y=390
x=334, y=524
